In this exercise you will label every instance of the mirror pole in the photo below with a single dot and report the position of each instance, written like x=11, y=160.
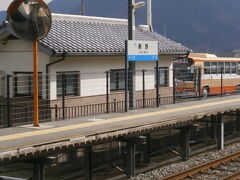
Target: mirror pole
x=35, y=80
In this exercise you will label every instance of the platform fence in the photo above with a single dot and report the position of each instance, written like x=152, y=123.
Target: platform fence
x=68, y=95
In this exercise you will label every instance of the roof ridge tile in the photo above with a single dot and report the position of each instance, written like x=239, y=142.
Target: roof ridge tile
x=88, y=19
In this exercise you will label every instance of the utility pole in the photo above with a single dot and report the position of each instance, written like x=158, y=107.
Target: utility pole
x=132, y=64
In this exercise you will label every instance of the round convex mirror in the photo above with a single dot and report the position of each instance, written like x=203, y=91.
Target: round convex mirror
x=29, y=19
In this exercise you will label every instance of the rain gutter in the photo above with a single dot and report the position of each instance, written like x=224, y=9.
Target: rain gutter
x=47, y=71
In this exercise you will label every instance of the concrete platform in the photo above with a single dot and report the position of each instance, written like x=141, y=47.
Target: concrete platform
x=58, y=136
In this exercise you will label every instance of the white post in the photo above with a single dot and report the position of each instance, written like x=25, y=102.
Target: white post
x=149, y=13
x=220, y=132
x=82, y=8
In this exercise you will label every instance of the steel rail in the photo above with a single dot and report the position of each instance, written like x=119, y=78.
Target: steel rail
x=234, y=176
x=202, y=167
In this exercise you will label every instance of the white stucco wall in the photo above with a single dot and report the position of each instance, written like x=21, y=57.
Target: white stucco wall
x=17, y=56
x=164, y=61
x=92, y=72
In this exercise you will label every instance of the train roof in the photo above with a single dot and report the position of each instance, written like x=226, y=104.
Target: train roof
x=211, y=57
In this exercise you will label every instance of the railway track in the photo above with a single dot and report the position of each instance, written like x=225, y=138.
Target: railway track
x=224, y=168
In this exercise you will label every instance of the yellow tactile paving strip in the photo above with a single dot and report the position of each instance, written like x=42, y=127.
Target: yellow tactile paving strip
x=108, y=121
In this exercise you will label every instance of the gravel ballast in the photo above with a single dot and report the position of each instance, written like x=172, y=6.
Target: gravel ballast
x=192, y=162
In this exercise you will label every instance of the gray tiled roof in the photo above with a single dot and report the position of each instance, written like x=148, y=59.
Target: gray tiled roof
x=79, y=35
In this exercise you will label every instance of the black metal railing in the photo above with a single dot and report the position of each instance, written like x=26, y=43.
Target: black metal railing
x=86, y=110
x=16, y=110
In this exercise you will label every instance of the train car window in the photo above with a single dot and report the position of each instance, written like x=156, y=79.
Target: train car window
x=207, y=68
x=213, y=67
x=220, y=66
x=238, y=68
x=233, y=67
x=227, y=68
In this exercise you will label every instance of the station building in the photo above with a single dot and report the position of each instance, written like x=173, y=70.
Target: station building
x=85, y=47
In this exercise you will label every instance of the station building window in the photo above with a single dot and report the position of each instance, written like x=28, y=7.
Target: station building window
x=163, y=76
x=71, y=81
x=117, y=79
x=23, y=84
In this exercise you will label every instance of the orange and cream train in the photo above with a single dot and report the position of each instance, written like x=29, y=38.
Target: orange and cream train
x=216, y=71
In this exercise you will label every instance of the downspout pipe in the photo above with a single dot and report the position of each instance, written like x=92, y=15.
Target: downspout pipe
x=47, y=71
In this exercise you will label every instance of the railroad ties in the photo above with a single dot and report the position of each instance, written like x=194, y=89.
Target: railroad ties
x=224, y=168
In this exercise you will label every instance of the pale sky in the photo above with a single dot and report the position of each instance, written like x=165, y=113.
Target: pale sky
x=5, y=3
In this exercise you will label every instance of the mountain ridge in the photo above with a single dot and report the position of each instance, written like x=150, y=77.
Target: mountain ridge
x=204, y=26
